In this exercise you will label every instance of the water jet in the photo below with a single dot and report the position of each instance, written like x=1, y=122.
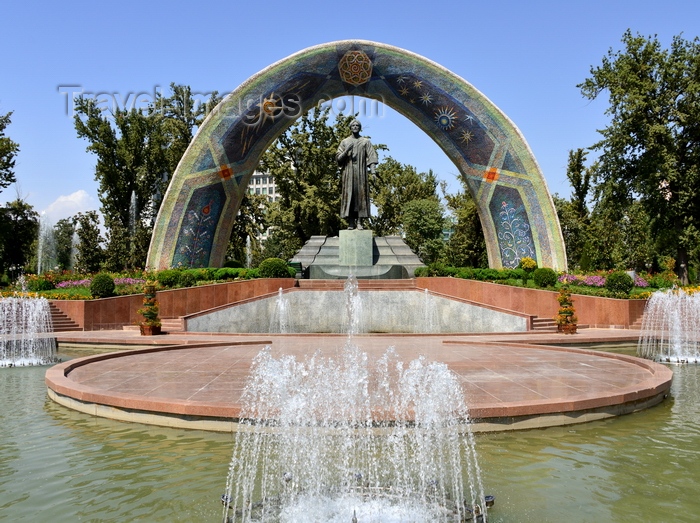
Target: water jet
x=671, y=328
x=330, y=438
x=25, y=332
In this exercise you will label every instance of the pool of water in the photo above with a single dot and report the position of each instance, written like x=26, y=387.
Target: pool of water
x=63, y=466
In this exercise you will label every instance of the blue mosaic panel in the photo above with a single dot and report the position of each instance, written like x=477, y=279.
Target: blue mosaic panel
x=512, y=226
x=195, y=241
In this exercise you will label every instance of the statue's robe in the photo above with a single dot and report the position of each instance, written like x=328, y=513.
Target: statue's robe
x=354, y=198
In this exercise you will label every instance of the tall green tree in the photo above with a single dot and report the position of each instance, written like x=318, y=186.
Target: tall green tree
x=651, y=147
x=63, y=233
x=8, y=151
x=467, y=246
x=394, y=186
x=579, y=177
x=19, y=229
x=573, y=229
x=251, y=222
x=137, y=153
x=90, y=253
x=424, y=221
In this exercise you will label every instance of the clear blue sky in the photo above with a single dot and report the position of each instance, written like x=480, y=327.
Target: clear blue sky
x=526, y=56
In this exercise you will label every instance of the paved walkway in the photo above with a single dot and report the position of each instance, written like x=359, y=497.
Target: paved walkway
x=196, y=380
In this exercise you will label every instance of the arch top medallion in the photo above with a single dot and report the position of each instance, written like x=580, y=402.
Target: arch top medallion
x=514, y=204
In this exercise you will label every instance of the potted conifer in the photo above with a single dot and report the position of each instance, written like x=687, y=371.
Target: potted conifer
x=151, y=325
x=566, y=319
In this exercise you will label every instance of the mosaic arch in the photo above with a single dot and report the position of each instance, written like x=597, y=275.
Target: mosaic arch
x=515, y=207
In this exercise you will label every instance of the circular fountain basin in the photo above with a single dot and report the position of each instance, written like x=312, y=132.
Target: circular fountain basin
x=506, y=385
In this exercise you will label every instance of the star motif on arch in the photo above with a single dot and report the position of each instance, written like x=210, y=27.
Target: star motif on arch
x=445, y=118
x=418, y=84
x=466, y=136
x=269, y=108
x=404, y=91
x=426, y=98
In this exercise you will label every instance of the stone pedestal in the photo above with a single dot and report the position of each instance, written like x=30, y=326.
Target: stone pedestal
x=357, y=253
x=355, y=249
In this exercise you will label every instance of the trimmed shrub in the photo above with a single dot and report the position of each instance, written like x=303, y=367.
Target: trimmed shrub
x=486, y=274
x=421, y=272
x=39, y=284
x=233, y=264
x=544, y=277
x=273, y=268
x=619, y=282
x=168, y=277
x=226, y=273
x=186, y=279
x=200, y=274
x=466, y=273
x=102, y=286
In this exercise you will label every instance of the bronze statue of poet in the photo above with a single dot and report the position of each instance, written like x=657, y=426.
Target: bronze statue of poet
x=355, y=155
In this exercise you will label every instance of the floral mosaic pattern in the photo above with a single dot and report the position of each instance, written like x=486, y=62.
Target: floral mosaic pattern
x=514, y=234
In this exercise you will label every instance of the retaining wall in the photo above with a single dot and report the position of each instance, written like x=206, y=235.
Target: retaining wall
x=591, y=310
x=114, y=313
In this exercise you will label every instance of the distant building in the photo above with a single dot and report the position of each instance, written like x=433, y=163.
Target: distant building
x=262, y=183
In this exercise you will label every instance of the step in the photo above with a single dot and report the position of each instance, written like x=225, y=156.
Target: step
x=61, y=322
x=167, y=325
x=172, y=324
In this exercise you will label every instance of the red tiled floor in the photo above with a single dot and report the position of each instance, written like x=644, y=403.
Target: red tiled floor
x=511, y=379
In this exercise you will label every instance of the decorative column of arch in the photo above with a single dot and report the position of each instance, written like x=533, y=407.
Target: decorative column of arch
x=516, y=210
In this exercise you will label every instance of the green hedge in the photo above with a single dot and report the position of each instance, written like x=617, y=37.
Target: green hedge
x=168, y=277
x=619, y=282
x=102, y=286
x=544, y=277
x=274, y=268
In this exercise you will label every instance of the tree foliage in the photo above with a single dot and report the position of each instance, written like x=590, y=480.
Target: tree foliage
x=579, y=177
x=137, y=153
x=251, y=222
x=394, y=186
x=423, y=223
x=8, y=151
x=651, y=148
x=19, y=228
x=466, y=246
x=90, y=254
x=63, y=236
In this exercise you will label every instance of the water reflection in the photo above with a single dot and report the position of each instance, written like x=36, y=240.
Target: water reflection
x=64, y=466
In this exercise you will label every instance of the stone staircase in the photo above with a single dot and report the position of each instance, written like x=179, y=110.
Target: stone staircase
x=172, y=324
x=544, y=325
x=167, y=325
x=61, y=321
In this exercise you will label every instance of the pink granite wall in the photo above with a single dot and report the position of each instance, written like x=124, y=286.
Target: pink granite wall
x=113, y=313
x=591, y=310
